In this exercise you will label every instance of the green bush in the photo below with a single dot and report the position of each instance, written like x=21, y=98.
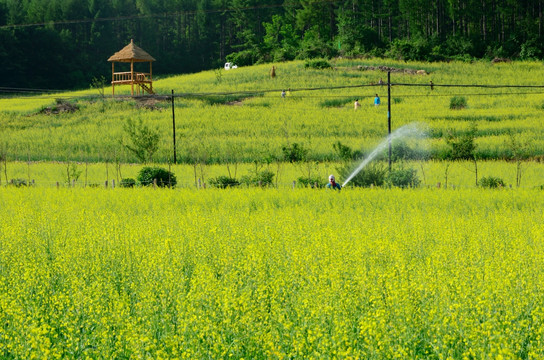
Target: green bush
x=373, y=174
x=311, y=181
x=294, y=153
x=463, y=147
x=127, y=183
x=345, y=153
x=264, y=178
x=338, y=102
x=401, y=151
x=491, y=182
x=458, y=102
x=223, y=182
x=18, y=182
x=317, y=64
x=403, y=178
x=164, y=178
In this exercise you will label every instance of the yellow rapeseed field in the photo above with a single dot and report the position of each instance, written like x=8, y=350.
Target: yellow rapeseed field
x=270, y=274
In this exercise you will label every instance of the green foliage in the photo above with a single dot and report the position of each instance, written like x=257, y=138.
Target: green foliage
x=400, y=150
x=532, y=49
x=345, y=153
x=403, y=178
x=415, y=49
x=164, y=178
x=247, y=34
x=127, y=183
x=463, y=147
x=317, y=64
x=144, y=140
x=458, y=102
x=294, y=153
x=99, y=83
x=336, y=102
x=374, y=174
x=18, y=182
x=491, y=182
x=72, y=173
x=311, y=181
x=223, y=182
x=259, y=178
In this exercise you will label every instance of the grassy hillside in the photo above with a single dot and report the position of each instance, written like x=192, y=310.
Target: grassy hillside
x=215, y=127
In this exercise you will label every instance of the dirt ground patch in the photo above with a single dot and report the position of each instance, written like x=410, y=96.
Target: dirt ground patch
x=152, y=103
x=62, y=106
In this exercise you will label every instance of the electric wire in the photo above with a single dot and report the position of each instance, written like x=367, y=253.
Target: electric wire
x=163, y=15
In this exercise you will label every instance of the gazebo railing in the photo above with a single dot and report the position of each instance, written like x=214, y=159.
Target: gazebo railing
x=126, y=77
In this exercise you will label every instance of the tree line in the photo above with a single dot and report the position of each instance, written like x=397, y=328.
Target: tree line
x=65, y=43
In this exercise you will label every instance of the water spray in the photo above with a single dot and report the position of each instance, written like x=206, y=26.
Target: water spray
x=412, y=129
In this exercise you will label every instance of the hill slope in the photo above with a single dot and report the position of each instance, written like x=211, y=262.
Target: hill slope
x=240, y=115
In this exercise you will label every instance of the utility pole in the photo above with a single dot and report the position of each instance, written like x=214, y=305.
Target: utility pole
x=174, y=126
x=389, y=114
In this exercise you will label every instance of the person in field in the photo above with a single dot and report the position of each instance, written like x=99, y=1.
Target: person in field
x=356, y=104
x=377, y=100
x=333, y=184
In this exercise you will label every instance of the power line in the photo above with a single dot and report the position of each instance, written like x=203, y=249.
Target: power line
x=469, y=85
x=59, y=95
x=167, y=14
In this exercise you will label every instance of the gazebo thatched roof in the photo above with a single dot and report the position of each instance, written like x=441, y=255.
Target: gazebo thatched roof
x=131, y=53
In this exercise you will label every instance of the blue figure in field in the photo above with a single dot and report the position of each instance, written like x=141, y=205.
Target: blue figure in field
x=377, y=100
x=333, y=184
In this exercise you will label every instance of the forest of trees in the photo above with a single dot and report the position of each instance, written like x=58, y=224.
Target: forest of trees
x=63, y=44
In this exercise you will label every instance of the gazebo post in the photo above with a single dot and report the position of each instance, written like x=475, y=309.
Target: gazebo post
x=151, y=75
x=112, y=79
x=132, y=77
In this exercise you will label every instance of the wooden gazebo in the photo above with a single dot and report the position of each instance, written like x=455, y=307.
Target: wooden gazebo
x=132, y=54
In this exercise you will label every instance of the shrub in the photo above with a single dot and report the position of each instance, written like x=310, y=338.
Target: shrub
x=310, y=181
x=317, y=64
x=264, y=178
x=372, y=175
x=223, y=182
x=294, y=153
x=403, y=178
x=458, y=102
x=144, y=139
x=464, y=147
x=18, y=182
x=401, y=151
x=338, y=102
x=164, y=178
x=491, y=182
x=127, y=183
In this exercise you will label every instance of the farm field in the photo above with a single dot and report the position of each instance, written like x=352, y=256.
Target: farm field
x=449, y=271
x=255, y=274
x=239, y=115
